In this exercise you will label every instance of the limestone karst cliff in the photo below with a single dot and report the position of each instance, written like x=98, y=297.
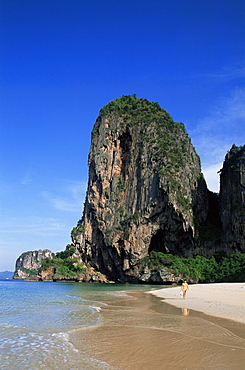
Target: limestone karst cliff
x=147, y=204
x=28, y=263
x=232, y=200
x=145, y=191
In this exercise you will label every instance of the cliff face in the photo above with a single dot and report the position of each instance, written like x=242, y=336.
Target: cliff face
x=28, y=263
x=232, y=200
x=145, y=190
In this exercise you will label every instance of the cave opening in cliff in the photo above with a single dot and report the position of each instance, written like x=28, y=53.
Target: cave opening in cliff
x=125, y=141
x=157, y=243
x=125, y=145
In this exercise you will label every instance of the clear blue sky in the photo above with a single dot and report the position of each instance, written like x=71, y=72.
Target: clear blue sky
x=61, y=61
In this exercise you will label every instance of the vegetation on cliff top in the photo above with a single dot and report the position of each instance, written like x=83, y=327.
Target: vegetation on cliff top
x=235, y=156
x=134, y=105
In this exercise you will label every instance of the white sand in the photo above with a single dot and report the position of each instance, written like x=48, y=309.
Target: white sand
x=225, y=300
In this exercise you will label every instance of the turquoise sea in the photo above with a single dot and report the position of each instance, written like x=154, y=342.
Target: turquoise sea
x=78, y=326
x=37, y=319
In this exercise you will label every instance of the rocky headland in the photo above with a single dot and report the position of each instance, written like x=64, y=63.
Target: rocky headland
x=28, y=263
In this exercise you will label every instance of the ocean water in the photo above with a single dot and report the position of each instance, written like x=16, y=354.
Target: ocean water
x=59, y=326
x=37, y=319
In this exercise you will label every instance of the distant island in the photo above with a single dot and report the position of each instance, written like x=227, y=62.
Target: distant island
x=6, y=274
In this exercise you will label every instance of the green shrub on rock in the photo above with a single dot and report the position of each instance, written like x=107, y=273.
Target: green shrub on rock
x=199, y=269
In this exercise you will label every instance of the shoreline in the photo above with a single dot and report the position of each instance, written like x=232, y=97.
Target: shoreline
x=139, y=331
x=224, y=300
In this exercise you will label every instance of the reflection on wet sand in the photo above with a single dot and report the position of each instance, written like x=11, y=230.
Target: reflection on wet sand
x=141, y=332
x=185, y=311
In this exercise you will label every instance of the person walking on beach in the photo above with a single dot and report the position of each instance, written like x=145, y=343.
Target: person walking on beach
x=184, y=288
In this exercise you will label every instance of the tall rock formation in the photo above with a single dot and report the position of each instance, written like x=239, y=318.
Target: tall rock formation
x=232, y=200
x=145, y=190
x=28, y=263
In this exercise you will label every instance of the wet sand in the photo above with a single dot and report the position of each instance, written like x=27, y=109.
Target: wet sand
x=140, y=332
x=226, y=300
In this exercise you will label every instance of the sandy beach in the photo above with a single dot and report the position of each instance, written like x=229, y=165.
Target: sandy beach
x=140, y=331
x=224, y=300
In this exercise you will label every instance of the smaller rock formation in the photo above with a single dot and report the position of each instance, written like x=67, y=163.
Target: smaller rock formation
x=28, y=263
x=232, y=200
